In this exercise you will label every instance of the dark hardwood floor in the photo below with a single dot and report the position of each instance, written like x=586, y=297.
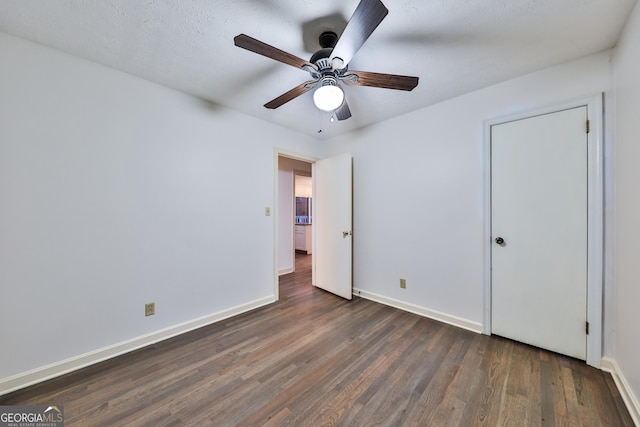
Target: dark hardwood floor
x=315, y=359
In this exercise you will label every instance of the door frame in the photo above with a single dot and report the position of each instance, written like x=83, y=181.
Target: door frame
x=280, y=152
x=595, y=216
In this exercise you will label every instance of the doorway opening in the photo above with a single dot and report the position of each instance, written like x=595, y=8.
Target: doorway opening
x=332, y=219
x=295, y=215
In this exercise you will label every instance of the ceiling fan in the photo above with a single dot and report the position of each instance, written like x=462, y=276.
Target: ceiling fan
x=329, y=65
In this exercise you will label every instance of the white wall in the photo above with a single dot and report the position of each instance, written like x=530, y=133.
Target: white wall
x=116, y=192
x=418, y=189
x=286, y=211
x=627, y=207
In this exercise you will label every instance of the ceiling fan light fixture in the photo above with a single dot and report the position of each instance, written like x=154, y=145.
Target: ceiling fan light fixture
x=330, y=64
x=328, y=96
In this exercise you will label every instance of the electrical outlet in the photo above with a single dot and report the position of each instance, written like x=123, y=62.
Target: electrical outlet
x=403, y=283
x=150, y=309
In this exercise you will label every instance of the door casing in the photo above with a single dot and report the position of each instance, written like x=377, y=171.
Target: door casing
x=595, y=222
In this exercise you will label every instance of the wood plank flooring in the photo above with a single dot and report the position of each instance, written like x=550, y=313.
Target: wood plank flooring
x=313, y=359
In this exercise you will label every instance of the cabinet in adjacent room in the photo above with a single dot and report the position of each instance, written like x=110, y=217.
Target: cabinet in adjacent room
x=303, y=238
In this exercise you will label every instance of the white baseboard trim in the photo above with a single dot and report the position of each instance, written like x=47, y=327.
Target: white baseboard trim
x=421, y=311
x=286, y=271
x=610, y=365
x=62, y=367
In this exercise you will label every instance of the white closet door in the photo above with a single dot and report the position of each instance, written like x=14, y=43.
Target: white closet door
x=539, y=231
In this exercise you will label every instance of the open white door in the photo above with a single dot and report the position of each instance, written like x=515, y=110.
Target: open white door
x=332, y=219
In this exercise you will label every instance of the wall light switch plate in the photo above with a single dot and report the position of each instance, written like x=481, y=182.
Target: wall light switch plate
x=403, y=283
x=267, y=211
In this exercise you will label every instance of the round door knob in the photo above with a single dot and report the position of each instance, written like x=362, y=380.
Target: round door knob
x=500, y=240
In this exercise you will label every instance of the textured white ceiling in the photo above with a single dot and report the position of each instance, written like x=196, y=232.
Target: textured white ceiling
x=454, y=47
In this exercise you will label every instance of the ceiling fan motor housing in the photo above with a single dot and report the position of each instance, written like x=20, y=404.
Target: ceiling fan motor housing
x=321, y=58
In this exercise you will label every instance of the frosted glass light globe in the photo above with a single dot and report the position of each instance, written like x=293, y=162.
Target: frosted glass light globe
x=328, y=98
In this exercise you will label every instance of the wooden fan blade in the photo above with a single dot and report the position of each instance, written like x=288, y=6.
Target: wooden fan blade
x=365, y=19
x=387, y=81
x=293, y=93
x=343, y=112
x=246, y=42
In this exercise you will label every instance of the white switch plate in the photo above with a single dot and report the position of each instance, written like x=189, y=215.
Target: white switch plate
x=267, y=211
